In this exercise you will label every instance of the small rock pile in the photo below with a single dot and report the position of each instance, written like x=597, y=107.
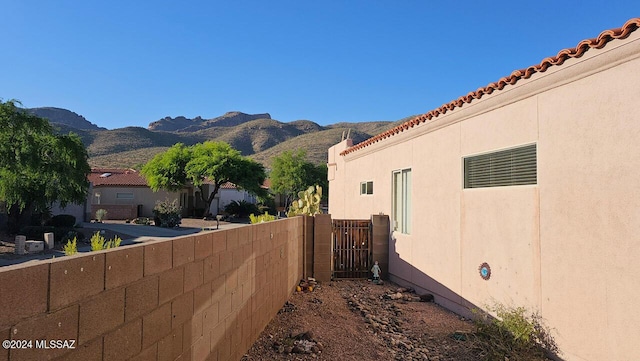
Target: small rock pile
x=302, y=343
x=384, y=320
x=408, y=294
x=288, y=307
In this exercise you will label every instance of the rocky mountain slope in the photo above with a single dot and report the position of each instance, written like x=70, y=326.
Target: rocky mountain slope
x=182, y=124
x=64, y=117
x=255, y=135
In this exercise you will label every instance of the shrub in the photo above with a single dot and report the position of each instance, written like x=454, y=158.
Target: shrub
x=64, y=234
x=60, y=234
x=241, y=209
x=261, y=218
x=37, y=232
x=101, y=214
x=62, y=220
x=167, y=214
x=71, y=247
x=142, y=220
x=513, y=334
x=98, y=242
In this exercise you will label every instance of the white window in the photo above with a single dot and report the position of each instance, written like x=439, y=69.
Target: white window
x=401, y=208
x=124, y=195
x=366, y=188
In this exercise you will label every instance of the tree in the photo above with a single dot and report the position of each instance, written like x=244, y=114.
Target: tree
x=209, y=162
x=291, y=173
x=37, y=166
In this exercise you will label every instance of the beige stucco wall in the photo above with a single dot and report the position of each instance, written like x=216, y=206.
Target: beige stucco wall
x=568, y=246
x=141, y=195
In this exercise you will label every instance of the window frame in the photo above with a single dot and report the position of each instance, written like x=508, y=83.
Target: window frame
x=401, y=200
x=509, y=173
x=368, y=188
x=125, y=193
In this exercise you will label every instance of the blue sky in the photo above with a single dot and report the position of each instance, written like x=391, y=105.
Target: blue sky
x=128, y=63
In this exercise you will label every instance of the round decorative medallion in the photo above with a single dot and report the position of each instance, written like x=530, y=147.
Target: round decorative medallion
x=485, y=271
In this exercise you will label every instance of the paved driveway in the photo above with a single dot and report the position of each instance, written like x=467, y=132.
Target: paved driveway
x=139, y=231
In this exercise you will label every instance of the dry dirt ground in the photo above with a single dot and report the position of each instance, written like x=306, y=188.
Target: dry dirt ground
x=359, y=320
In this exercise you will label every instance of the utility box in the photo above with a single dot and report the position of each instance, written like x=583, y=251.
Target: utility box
x=34, y=246
x=20, y=243
x=48, y=239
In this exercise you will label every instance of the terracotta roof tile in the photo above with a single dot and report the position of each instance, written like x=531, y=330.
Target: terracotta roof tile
x=582, y=47
x=116, y=177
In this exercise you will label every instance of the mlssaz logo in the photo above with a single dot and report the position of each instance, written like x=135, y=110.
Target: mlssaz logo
x=56, y=344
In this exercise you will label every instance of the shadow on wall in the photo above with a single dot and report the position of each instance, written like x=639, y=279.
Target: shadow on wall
x=442, y=295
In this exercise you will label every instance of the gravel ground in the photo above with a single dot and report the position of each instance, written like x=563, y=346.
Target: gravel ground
x=358, y=320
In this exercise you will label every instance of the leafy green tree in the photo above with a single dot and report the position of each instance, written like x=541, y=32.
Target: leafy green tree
x=291, y=173
x=37, y=166
x=209, y=162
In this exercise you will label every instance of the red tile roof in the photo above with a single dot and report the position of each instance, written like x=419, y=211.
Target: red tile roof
x=130, y=178
x=582, y=47
x=116, y=177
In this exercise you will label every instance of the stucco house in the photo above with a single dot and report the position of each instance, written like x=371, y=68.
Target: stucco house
x=125, y=194
x=227, y=193
x=525, y=192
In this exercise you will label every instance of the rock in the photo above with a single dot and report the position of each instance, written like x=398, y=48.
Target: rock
x=427, y=297
x=395, y=296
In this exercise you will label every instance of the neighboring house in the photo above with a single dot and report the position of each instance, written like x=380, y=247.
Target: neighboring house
x=124, y=193
x=525, y=192
x=227, y=193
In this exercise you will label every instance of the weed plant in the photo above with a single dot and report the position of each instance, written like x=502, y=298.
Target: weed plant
x=514, y=334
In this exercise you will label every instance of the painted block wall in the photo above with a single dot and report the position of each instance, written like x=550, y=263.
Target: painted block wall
x=567, y=246
x=206, y=296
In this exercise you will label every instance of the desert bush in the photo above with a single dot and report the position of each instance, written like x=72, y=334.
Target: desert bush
x=64, y=234
x=98, y=242
x=60, y=234
x=37, y=232
x=513, y=334
x=101, y=214
x=167, y=214
x=142, y=220
x=266, y=217
x=71, y=247
x=62, y=220
x=241, y=209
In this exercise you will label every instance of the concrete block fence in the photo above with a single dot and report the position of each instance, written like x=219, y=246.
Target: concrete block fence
x=201, y=297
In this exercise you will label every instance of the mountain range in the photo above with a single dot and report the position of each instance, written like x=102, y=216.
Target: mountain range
x=257, y=136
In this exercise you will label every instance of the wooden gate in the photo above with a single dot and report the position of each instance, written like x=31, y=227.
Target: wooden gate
x=352, y=251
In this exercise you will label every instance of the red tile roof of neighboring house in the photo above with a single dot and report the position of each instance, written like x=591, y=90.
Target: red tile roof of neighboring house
x=116, y=177
x=228, y=185
x=597, y=43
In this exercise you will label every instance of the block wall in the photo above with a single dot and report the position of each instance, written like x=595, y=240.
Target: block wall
x=206, y=296
x=116, y=211
x=322, y=267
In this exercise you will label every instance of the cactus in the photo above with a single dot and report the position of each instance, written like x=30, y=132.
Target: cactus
x=308, y=203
